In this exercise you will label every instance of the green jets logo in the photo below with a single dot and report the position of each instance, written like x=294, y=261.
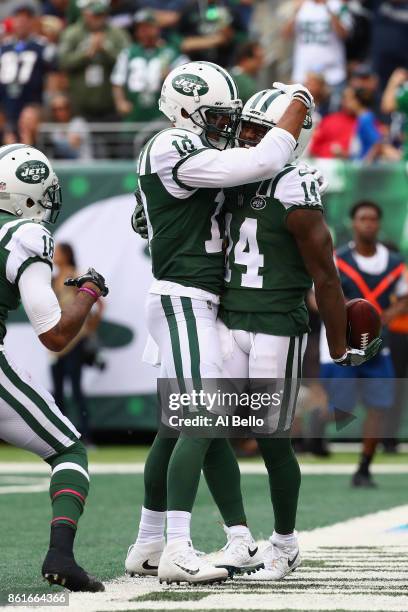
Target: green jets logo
x=307, y=124
x=32, y=172
x=189, y=84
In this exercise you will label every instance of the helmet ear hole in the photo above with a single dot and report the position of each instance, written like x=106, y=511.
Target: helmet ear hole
x=184, y=113
x=30, y=203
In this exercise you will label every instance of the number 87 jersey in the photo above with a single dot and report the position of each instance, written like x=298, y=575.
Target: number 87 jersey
x=265, y=277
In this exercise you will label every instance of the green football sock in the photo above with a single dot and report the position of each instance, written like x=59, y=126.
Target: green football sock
x=284, y=481
x=217, y=458
x=155, y=473
x=69, y=485
x=184, y=472
x=223, y=478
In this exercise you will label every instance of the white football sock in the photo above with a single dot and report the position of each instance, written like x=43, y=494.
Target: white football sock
x=239, y=530
x=289, y=540
x=151, y=526
x=178, y=525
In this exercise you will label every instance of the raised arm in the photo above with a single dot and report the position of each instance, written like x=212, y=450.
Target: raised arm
x=233, y=167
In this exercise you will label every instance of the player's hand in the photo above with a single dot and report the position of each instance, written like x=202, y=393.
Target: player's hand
x=139, y=221
x=90, y=276
x=355, y=357
x=297, y=92
x=319, y=178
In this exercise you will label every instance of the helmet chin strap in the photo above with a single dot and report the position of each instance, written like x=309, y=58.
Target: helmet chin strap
x=18, y=211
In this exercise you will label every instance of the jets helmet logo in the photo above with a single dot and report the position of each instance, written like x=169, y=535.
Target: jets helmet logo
x=32, y=172
x=190, y=84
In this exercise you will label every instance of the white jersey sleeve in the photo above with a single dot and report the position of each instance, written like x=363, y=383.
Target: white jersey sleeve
x=233, y=167
x=296, y=187
x=184, y=164
x=30, y=243
x=164, y=153
x=38, y=298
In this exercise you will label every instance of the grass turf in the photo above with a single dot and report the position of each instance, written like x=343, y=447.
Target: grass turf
x=133, y=454
x=112, y=511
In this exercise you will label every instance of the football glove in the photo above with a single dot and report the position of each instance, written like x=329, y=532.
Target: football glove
x=139, y=221
x=355, y=357
x=318, y=176
x=90, y=276
x=297, y=92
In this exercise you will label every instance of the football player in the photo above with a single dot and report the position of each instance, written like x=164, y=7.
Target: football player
x=181, y=171
x=278, y=245
x=29, y=417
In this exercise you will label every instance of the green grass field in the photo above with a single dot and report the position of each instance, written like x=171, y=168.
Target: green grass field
x=110, y=522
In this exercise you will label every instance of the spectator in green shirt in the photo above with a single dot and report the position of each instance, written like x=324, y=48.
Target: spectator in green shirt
x=249, y=61
x=141, y=68
x=88, y=51
x=395, y=99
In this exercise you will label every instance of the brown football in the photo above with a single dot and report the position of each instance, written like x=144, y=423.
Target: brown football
x=363, y=323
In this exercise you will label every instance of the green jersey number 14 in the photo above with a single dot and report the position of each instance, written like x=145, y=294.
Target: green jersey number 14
x=245, y=252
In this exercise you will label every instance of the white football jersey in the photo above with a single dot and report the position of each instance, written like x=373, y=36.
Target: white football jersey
x=317, y=46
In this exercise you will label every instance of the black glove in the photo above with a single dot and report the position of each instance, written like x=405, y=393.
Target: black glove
x=355, y=357
x=90, y=276
x=139, y=221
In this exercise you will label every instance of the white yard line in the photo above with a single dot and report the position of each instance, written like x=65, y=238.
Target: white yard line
x=378, y=583
x=246, y=468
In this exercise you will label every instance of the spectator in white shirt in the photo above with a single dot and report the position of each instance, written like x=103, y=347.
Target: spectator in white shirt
x=319, y=29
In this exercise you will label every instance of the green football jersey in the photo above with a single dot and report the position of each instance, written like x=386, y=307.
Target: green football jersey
x=141, y=72
x=265, y=278
x=184, y=223
x=22, y=242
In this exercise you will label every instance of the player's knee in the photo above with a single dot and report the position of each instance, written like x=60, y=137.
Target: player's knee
x=76, y=453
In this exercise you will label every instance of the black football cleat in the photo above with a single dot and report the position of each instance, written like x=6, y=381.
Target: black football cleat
x=364, y=481
x=62, y=569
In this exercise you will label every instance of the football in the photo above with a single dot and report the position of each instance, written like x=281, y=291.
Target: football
x=363, y=323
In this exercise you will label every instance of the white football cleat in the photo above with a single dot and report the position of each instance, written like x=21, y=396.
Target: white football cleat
x=239, y=555
x=180, y=563
x=143, y=559
x=279, y=561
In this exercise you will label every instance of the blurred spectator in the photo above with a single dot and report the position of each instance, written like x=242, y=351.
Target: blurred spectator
x=208, y=32
x=168, y=12
x=88, y=52
x=56, y=8
x=354, y=132
x=367, y=133
x=72, y=141
x=121, y=13
x=140, y=70
x=250, y=59
x=395, y=98
x=334, y=134
x=27, y=127
x=319, y=28
x=390, y=35
x=68, y=364
x=316, y=83
x=358, y=43
x=51, y=28
x=8, y=6
x=363, y=78
x=25, y=61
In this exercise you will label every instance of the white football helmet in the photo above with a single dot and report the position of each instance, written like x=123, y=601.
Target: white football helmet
x=266, y=108
x=29, y=187
x=202, y=97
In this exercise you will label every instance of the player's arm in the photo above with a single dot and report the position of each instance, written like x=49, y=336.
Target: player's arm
x=316, y=247
x=54, y=328
x=299, y=193
x=232, y=167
